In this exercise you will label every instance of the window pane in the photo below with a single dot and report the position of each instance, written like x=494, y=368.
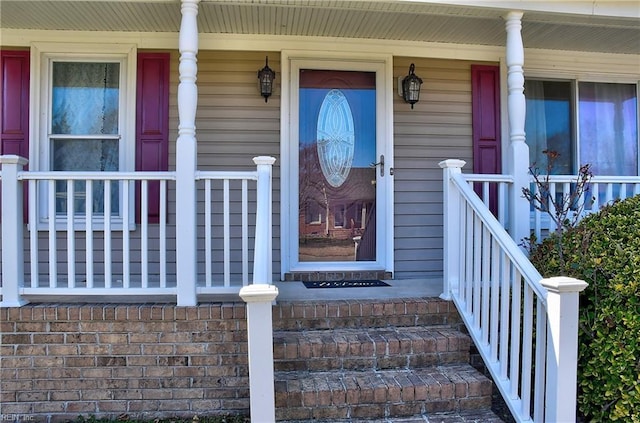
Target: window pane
x=548, y=124
x=609, y=127
x=90, y=155
x=85, y=98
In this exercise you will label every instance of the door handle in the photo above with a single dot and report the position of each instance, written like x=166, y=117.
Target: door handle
x=380, y=163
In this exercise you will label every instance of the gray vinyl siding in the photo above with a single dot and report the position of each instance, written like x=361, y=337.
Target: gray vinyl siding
x=233, y=125
x=438, y=128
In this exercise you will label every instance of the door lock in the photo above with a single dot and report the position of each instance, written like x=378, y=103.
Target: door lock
x=380, y=163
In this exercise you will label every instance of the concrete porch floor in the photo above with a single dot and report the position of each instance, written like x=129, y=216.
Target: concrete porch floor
x=400, y=288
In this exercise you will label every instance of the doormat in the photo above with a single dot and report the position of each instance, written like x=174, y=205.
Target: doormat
x=345, y=284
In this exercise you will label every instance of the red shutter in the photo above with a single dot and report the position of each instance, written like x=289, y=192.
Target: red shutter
x=152, y=124
x=14, y=106
x=14, y=124
x=485, y=99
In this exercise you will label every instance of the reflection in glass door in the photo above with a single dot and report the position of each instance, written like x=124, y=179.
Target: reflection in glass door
x=337, y=185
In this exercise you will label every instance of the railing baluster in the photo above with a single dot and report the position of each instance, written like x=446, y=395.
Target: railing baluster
x=88, y=244
x=496, y=272
x=144, y=233
x=226, y=235
x=505, y=324
x=245, y=233
x=477, y=270
x=33, y=233
x=208, y=246
x=516, y=310
x=71, y=239
x=485, y=284
x=609, y=195
x=163, y=234
x=540, y=369
x=53, y=267
x=126, y=237
x=595, y=195
x=485, y=193
x=469, y=264
x=106, y=214
x=527, y=347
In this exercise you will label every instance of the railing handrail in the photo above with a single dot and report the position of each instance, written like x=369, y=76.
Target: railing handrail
x=604, y=179
x=29, y=175
x=224, y=174
x=486, y=177
x=507, y=244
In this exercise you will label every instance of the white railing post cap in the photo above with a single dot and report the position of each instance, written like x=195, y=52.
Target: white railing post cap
x=264, y=160
x=259, y=293
x=13, y=159
x=562, y=284
x=455, y=163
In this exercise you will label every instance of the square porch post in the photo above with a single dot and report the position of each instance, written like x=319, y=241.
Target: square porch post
x=186, y=157
x=12, y=231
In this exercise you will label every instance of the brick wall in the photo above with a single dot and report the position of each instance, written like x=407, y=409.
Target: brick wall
x=146, y=361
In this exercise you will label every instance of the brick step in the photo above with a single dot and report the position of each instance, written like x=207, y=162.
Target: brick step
x=465, y=416
x=378, y=394
x=375, y=348
x=336, y=314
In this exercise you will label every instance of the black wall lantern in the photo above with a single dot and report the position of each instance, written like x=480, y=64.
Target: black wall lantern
x=266, y=76
x=411, y=87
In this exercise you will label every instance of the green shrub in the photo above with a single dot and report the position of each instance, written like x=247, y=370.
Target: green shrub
x=604, y=250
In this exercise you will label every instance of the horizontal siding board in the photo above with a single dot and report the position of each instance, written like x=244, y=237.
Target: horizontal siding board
x=438, y=128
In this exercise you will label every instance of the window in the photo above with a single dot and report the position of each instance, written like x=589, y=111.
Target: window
x=84, y=135
x=585, y=122
x=86, y=109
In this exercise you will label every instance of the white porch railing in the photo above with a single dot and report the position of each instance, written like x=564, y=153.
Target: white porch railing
x=602, y=190
x=71, y=247
x=525, y=327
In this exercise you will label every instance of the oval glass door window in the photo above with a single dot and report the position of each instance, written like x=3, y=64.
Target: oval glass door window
x=335, y=138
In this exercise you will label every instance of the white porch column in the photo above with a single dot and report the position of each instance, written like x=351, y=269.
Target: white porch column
x=186, y=156
x=518, y=152
x=12, y=231
x=451, y=227
x=562, y=348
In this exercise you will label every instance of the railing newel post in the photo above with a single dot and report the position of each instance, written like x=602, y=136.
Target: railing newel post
x=12, y=231
x=451, y=234
x=259, y=297
x=562, y=347
x=262, y=262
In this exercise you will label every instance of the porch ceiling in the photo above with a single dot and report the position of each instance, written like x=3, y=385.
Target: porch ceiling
x=615, y=31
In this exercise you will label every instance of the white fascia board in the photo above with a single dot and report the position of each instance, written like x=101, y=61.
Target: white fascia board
x=392, y=47
x=600, y=8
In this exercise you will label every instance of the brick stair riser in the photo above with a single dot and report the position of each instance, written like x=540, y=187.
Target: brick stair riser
x=369, y=395
x=368, y=350
x=294, y=316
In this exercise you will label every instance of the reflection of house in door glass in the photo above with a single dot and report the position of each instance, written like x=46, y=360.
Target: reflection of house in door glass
x=337, y=185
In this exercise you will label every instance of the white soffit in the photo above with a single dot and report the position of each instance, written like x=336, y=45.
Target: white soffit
x=598, y=26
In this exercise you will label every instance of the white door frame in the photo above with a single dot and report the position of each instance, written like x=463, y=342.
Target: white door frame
x=291, y=63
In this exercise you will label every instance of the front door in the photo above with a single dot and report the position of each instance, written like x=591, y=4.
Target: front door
x=339, y=192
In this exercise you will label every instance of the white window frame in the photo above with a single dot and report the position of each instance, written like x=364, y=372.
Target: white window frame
x=42, y=57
